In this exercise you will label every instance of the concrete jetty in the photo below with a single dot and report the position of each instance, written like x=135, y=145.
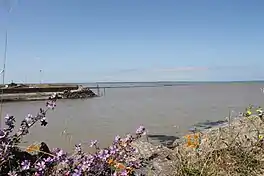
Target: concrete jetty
x=33, y=88
x=37, y=92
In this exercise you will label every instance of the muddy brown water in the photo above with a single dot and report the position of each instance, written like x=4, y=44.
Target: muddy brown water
x=163, y=110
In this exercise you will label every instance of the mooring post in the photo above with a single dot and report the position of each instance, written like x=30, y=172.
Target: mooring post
x=98, y=90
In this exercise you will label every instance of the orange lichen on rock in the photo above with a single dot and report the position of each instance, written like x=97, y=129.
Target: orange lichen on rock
x=193, y=140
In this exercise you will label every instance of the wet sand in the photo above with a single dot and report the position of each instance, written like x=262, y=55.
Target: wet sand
x=122, y=110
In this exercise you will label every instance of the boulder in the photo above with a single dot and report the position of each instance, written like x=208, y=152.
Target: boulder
x=159, y=159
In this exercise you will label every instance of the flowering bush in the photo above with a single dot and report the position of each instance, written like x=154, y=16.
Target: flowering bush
x=38, y=160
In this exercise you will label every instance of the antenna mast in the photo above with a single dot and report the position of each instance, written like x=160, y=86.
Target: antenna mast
x=3, y=77
x=5, y=56
x=3, y=71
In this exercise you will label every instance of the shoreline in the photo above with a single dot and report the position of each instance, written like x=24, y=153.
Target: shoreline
x=233, y=143
x=231, y=148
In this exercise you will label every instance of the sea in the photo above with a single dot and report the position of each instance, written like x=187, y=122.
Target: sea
x=166, y=109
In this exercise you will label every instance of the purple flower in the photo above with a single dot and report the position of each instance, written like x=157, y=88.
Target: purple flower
x=77, y=172
x=90, y=158
x=64, y=163
x=40, y=166
x=25, y=165
x=29, y=118
x=132, y=149
x=48, y=160
x=113, y=150
x=41, y=114
x=103, y=155
x=117, y=139
x=7, y=117
x=59, y=153
x=24, y=127
x=141, y=130
x=2, y=134
x=94, y=143
x=9, y=121
x=128, y=138
x=43, y=121
x=106, y=155
x=12, y=173
x=86, y=165
x=78, y=148
x=124, y=173
x=134, y=164
x=51, y=104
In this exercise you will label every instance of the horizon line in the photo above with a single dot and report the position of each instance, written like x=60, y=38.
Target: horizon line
x=114, y=82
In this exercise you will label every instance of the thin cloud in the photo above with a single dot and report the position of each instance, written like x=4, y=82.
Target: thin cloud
x=177, y=69
x=173, y=69
x=128, y=70
x=212, y=68
x=233, y=67
x=187, y=69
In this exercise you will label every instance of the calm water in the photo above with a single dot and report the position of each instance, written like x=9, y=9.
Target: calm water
x=122, y=110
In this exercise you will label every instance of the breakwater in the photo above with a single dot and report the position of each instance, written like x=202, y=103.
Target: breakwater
x=41, y=92
x=38, y=88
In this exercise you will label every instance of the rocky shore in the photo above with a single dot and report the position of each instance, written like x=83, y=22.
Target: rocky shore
x=235, y=148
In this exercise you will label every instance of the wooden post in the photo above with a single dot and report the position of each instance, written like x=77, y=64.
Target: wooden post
x=98, y=90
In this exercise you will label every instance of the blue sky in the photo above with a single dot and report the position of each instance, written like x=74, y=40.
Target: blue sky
x=136, y=40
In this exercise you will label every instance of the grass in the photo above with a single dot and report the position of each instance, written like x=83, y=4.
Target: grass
x=236, y=149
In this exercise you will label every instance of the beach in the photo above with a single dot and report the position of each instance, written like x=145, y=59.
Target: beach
x=165, y=111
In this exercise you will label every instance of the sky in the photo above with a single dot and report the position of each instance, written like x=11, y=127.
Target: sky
x=132, y=40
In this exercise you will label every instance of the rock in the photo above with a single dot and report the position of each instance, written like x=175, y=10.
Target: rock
x=159, y=159
x=145, y=172
x=164, y=168
x=80, y=93
x=145, y=149
x=175, y=144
